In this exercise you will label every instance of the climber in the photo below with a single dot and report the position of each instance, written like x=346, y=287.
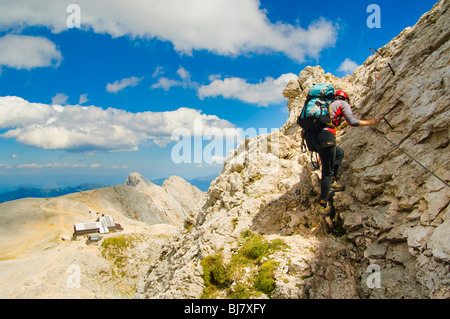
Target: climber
x=323, y=141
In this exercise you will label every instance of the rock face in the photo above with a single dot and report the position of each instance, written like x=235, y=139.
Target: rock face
x=170, y=203
x=390, y=235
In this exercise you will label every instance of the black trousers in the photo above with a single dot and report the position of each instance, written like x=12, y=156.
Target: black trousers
x=331, y=158
x=324, y=143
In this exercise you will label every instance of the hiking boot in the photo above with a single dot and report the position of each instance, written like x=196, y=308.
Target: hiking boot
x=337, y=187
x=323, y=210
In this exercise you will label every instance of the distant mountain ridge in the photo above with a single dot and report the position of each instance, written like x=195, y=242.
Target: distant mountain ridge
x=201, y=183
x=25, y=192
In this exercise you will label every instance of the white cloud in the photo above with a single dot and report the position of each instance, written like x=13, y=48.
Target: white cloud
x=166, y=83
x=91, y=128
x=224, y=27
x=261, y=94
x=27, y=52
x=120, y=85
x=184, y=74
x=54, y=165
x=59, y=99
x=213, y=77
x=348, y=66
x=117, y=166
x=83, y=99
x=158, y=71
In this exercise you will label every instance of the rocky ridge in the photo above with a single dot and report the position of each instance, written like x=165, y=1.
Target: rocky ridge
x=170, y=203
x=393, y=214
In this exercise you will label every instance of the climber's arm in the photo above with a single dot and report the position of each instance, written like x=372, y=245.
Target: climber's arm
x=351, y=119
x=366, y=123
x=348, y=115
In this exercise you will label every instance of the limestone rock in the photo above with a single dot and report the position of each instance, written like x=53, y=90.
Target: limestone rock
x=439, y=243
x=171, y=203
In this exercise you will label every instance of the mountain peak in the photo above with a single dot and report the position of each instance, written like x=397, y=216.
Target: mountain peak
x=135, y=179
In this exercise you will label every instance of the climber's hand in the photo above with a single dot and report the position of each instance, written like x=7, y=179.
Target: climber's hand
x=372, y=122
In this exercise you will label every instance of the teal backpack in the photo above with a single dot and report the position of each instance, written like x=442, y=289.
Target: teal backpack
x=315, y=114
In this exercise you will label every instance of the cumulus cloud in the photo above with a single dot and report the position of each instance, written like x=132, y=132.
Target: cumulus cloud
x=83, y=98
x=121, y=84
x=91, y=128
x=27, y=52
x=60, y=99
x=184, y=74
x=213, y=77
x=262, y=94
x=166, y=83
x=224, y=27
x=348, y=66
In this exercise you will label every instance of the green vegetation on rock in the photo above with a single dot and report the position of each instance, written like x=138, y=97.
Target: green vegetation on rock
x=246, y=274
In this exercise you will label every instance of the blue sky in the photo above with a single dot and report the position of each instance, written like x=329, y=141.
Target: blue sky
x=96, y=102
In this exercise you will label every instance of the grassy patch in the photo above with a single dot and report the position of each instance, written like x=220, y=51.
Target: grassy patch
x=265, y=281
x=214, y=272
x=245, y=275
x=115, y=248
x=188, y=225
x=256, y=247
x=241, y=291
x=235, y=221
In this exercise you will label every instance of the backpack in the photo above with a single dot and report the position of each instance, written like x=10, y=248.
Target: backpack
x=316, y=110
